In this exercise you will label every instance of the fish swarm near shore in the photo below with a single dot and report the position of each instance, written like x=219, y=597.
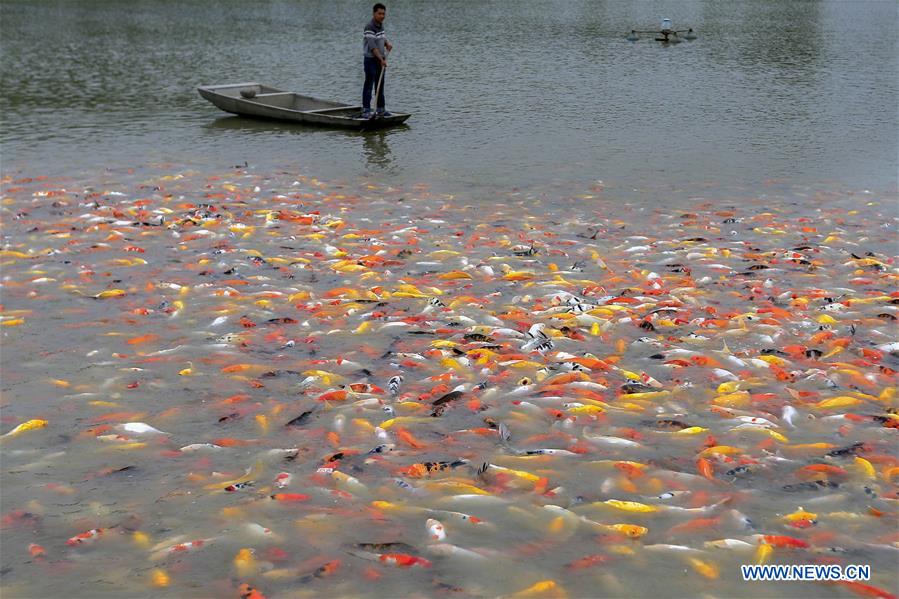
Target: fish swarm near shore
x=252, y=384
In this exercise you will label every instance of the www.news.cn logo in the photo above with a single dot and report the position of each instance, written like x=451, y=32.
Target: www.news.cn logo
x=805, y=572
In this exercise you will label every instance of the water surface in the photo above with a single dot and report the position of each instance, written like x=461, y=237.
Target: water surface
x=597, y=243
x=542, y=92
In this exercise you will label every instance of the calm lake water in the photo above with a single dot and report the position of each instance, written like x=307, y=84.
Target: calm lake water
x=502, y=95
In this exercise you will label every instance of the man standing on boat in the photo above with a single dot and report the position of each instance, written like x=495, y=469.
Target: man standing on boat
x=375, y=48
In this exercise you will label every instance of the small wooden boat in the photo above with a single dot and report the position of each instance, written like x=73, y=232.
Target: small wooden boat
x=262, y=101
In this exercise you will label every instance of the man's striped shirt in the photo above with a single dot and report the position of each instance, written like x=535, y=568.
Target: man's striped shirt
x=373, y=36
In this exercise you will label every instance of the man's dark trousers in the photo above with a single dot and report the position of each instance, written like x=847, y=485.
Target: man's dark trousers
x=372, y=72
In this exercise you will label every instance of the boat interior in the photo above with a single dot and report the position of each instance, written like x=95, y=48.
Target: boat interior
x=270, y=96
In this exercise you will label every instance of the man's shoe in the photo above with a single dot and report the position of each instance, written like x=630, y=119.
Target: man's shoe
x=383, y=114
x=366, y=114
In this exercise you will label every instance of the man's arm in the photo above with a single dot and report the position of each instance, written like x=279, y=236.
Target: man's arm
x=377, y=54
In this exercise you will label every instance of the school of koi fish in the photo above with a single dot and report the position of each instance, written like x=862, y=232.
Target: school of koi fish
x=249, y=385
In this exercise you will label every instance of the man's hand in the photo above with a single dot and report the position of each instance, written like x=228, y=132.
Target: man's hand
x=388, y=45
x=383, y=64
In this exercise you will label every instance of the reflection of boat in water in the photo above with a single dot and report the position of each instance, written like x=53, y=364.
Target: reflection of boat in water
x=266, y=126
x=262, y=101
x=374, y=149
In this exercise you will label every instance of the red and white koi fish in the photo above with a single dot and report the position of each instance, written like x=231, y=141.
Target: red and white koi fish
x=283, y=479
x=436, y=531
x=86, y=537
